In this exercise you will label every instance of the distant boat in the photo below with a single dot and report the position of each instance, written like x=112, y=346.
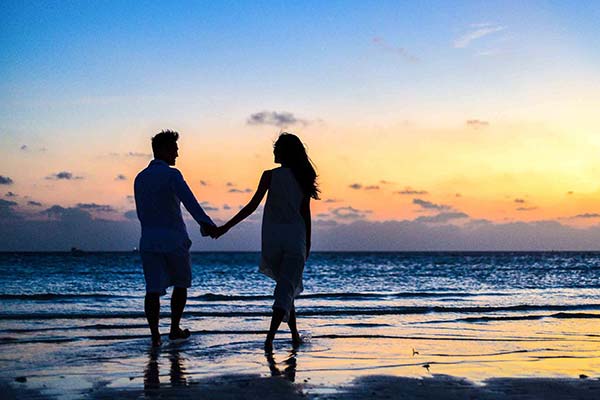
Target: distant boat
x=77, y=252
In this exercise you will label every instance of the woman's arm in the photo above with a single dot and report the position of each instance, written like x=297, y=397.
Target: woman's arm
x=305, y=212
x=263, y=186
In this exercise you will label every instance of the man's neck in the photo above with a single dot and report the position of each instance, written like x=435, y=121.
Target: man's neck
x=162, y=160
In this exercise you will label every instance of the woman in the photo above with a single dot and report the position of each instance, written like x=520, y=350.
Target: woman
x=286, y=228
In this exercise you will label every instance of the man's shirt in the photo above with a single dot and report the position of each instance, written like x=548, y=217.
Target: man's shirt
x=159, y=190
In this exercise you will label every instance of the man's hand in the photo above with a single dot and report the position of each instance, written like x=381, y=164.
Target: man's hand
x=209, y=230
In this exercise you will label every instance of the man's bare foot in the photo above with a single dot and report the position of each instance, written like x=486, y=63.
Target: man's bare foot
x=156, y=342
x=179, y=334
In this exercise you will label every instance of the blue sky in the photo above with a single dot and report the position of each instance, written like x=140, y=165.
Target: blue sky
x=490, y=100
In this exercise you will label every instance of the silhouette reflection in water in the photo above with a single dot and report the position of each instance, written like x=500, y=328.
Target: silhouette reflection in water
x=289, y=365
x=177, y=371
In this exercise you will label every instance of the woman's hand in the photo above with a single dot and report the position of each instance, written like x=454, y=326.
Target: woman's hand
x=220, y=231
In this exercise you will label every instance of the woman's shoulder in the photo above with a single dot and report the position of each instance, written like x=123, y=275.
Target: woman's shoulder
x=275, y=171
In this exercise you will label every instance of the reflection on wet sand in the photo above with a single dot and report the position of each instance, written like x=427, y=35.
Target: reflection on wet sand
x=177, y=371
x=290, y=365
x=151, y=373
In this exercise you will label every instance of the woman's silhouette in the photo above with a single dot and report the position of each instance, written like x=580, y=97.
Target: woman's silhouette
x=286, y=227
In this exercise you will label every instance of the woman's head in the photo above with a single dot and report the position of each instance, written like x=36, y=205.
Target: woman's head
x=290, y=152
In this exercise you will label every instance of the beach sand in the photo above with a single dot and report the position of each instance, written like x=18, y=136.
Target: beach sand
x=370, y=361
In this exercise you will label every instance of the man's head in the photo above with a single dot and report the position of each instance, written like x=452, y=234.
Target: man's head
x=164, y=146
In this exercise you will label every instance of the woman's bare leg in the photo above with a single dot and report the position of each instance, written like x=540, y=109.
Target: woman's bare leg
x=293, y=328
x=276, y=319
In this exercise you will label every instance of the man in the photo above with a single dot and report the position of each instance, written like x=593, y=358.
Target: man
x=164, y=245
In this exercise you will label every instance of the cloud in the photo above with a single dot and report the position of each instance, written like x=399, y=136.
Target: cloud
x=442, y=218
x=458, y=195
x=234, y=190
x=138, y=154
x=323, y=215
x=64, y=175
x=359, y=186
x=7, y=212
x=34, y=203
x=526, y=208
x=570, y=192
x=399, y=51
x=130, y=198
x=208, y=207
x=132, y=154
x=480, y=31
x=280, y=119
x=67, y=214
x=384, y=182
x=203, y=183
x=120, y=177
x=226, y=207
x=5, y=180
x=230, y=184
x=520, y=201
x=331, y=201
x=408, y=191
x=477, y=123
x=11, y=194
x=7, y=203
x=349, y=213
x=131, y=214
x=427, y=205
x=586, y=215
x=70, y=227
x=24, y=147
x=95, y=207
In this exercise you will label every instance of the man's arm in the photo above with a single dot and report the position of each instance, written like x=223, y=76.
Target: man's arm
x=183, y=192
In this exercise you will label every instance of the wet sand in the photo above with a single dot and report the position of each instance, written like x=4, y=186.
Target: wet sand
x=506, y=364
x=256, y=387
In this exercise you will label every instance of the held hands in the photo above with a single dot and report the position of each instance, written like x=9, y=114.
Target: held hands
x=214, y=231
x=220, y=231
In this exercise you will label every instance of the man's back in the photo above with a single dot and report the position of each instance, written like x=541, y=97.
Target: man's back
x=159, y=190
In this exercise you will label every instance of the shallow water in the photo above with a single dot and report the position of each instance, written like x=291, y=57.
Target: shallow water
x=69, y=322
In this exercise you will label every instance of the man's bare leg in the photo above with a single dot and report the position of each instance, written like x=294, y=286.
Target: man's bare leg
x=152, y=310
x=178, y=301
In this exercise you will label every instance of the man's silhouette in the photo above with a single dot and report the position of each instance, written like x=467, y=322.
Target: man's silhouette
x=164, y=245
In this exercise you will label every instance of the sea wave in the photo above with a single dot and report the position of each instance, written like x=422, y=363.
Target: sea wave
x=324, y=311
x=225, y=297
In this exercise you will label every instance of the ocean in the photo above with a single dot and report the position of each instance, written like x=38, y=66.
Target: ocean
x=64, y=315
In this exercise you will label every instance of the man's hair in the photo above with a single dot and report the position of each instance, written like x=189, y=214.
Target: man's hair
x=163, y=139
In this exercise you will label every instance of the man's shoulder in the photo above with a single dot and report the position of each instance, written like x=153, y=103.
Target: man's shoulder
x=159, y=169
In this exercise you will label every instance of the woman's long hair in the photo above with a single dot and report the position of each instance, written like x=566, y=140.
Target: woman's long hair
x=290, y=151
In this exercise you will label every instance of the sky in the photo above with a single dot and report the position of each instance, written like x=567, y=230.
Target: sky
x=433, y=125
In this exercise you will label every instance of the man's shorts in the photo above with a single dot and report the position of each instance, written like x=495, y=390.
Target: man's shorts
x=163, y=270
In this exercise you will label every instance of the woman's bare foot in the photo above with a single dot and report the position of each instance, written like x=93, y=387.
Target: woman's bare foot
x=269, y=346
x=296, y=340
x=269, y=342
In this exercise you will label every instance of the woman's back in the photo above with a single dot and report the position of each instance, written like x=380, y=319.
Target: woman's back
x=283, y=199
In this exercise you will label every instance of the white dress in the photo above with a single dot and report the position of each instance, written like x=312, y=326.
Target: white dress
x=284, y=238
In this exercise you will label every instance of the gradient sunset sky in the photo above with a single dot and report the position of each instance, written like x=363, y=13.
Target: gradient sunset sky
x=433, y=116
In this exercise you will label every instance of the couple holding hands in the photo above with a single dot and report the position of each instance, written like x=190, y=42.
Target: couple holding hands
x=164, y=244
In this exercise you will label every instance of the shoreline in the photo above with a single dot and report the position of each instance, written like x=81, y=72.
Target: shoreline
x=257, y=387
